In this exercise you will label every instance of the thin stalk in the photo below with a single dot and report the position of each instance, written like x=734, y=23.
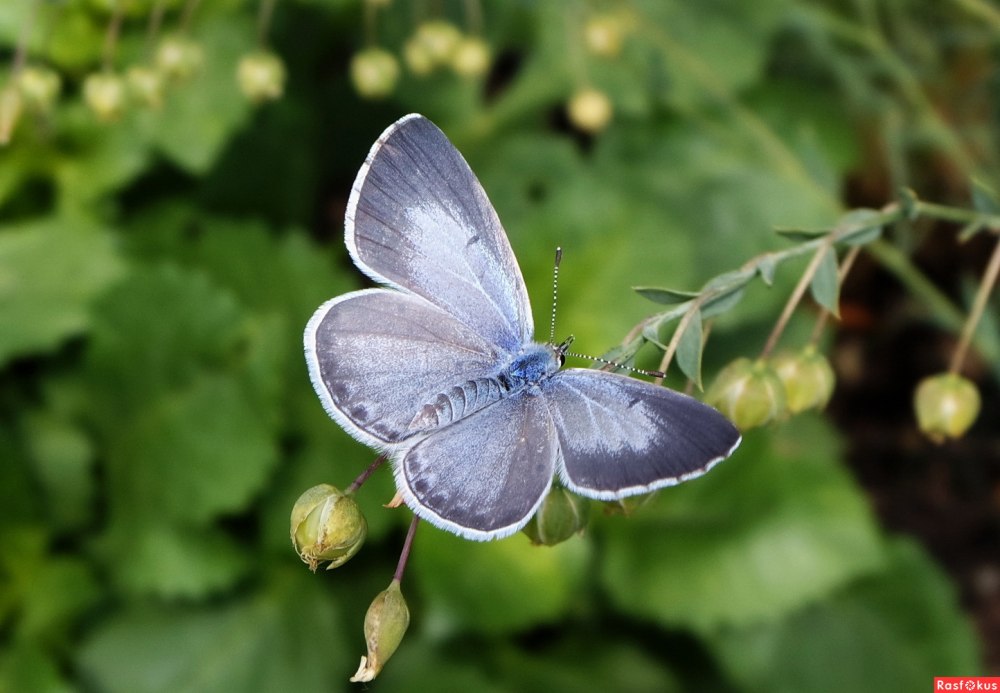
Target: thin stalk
x=796, y=297
x=978, y=306
x=264, y=21
x=111, y=37
x=357, y=483
x=404, y=555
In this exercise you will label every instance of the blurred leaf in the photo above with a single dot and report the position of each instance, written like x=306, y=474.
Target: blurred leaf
x=778, y=526
x=29, y=667
x=689, y=350
x=63, y=459
x=200, y=116
x=891, y=631
x=283, y=637
x=985, y=198
x=825, y=284
x=495, y=587
x=174, y=562
x=859, y=226
x=50, y=272
x=190, y=455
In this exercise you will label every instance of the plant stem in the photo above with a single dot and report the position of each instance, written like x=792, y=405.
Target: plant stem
x=264, y=21
x=796, y=297
x=357, y=483
x=111, y=37
x=404, y=555
x=978, y=305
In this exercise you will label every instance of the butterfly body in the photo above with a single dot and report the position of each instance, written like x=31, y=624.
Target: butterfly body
x=440, y=371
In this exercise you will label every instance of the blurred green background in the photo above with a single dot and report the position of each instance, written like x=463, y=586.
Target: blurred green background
x=156, y=273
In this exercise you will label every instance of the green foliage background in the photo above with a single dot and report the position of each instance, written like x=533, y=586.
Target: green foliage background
x=157, y=423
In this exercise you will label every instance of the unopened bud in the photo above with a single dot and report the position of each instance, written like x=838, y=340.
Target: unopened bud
x=561, y=515
x=385, y=624
x=589, y=110
x=40, y=87
x=261, y=76
x=947, y=405
x=471, y=57
x=146, y=86
x=104, y=93
x=749, y=393
x=807, y=377
x=327, y=525
x=179, y=57
x=10, y=112
x=374, y=73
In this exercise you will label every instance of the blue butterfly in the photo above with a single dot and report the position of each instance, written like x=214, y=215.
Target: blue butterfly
x=440, y=371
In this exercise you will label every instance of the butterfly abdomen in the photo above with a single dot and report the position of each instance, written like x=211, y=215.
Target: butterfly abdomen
x=457, y=403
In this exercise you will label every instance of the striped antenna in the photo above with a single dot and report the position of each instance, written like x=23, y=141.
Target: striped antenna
x=563, y=347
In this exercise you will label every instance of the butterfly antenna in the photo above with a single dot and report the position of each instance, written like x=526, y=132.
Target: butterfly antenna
x=555, y=295
x=564, y=346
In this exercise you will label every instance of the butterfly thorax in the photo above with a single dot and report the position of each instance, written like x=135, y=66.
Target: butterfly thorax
x=535, y=363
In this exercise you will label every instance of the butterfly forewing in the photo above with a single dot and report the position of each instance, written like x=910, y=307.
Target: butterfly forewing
x=419, y=220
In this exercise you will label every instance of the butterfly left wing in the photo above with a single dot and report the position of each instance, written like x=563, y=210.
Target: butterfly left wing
x=419, y=220
x=619, y=436
x=484, y=476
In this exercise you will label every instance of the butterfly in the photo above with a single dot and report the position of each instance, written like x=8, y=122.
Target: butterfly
x=438, y=368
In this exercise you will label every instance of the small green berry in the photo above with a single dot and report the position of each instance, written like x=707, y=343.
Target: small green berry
x=261, y=76
x=104, y=94
x=386, y=622
x=749, y=393
x=947, y=405
x=589, y=110
x=374, y=72
x=327, y=525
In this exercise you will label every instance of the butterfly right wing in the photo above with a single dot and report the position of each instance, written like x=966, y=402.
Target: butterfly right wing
x=377, y=356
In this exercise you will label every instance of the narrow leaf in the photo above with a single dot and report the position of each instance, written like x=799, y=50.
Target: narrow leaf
x=793, y=234
x=766, y=268
x=984, y=198
x=722, y=302
x=862, y=226
x=825, y=285
x=689, y=350
x=664, y=296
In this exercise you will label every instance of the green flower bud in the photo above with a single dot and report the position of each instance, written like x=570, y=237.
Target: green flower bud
x=261, y=76
x=178, y=57
x=40, y=87
x=146, y=86
x=749, y=393
x=947, y=405
x=418, y=59
x=561, y=515
x=104, y=93
x=471, y=57
x=807, y=377
x=603, y=35
x=374, y=72
x=589, y=110
x=327, y=525
x=10, y=112
x=385, y=624
x=440, y=39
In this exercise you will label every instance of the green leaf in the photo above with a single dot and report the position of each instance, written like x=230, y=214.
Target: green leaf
x=174, y=562
x=859, y=226
x=50, y=272
x=825, y=284
x=778, y=526
x=197, y=121
x=891, y=631
x=689, y=350
x=801, y=235
x=665, y=296
x=766, y=267
x=495, y=587
x=63, y=459
x=190, y=455
x=27, y=666
x=984, y=197
x=284, y=637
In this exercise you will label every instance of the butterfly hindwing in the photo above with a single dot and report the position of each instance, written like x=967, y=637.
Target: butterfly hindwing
x=619, y=436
